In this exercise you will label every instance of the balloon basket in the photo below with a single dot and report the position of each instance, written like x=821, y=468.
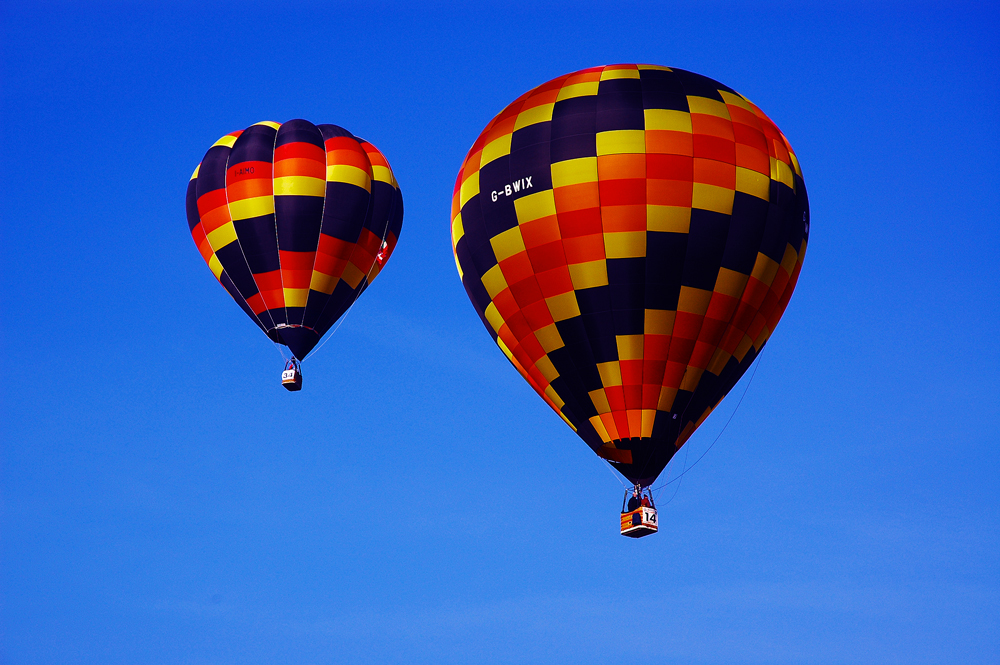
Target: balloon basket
x=639, y=522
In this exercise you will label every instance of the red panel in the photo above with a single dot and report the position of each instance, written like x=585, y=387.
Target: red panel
x=555, y=282
x=516, y=268
x=579, y=222
x=713, y=147
x=582, y=250
x=547, y=256
x=669, y=142
x=669, y=193
x=526, y=291
x=623, y=192
x=537, y=315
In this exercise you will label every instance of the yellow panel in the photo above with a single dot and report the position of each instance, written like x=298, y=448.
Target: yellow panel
x=692, y=375
x=611, y=373
x=563, y=306
x=549, y=338
x=673, y=219
x=708, y=106
x=253, y=207
x=510, y=356
x=541, y=113
x=322, y=282
x=565, y=419
x=791, y=155
x=352, y=275
x=659, y=321
x=624, y=245
x=383, y=174
x=457, y=230
x=551, y=393
x=782, y=172
x=349, y=174
x=228, y=140
x=535, y=206
x=574, y=171
x=222, y=236
x=764, y=269
x=742, y=348
x=268, y=123
x=547, y=369
x=600, y=428
x=296, y=297
x=731, y=282
x=621, y=141
x=588, y=275
x=215, y=266
x=789, y=258
x=493, y=316
x=507, y=244
x=461, y=273
x=629, y=346
x=494, y=282
x=666, y=400
x=712, y=197
x=750, y=182
x=196, y=169
x=657, y=67
x=299, y=185
x=693, y=301
x=600, y=400
x=736, y=100
x=498, y=147
x=718, y=362
x=619, y=74
x=469, y=189
x=761, y=338
x=648, y=418
x=578, y=90
x=676, y=121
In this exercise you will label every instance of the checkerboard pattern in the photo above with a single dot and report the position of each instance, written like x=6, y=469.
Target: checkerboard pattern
x=630, y=236
x=295, y=221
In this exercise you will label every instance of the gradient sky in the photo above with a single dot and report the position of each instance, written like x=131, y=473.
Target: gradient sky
x=165, y=501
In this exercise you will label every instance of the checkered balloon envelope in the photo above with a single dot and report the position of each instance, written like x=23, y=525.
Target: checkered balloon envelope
x=630, y=235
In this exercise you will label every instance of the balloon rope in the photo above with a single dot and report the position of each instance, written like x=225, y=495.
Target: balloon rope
x=613, y=473
x=686, y=467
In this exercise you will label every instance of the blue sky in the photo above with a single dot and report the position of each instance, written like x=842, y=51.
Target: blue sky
x=165, y=501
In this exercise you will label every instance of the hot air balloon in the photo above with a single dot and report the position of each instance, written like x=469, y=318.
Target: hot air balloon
x=630, y=236
x=295, y=220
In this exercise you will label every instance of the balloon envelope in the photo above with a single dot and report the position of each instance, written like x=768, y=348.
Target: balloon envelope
x=630, y=236
x=295, y=220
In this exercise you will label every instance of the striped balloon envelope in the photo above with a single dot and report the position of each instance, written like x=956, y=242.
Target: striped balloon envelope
x=630, y=236
x=295, y=220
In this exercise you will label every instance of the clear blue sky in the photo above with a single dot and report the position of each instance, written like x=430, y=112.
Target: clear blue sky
x=165, y=501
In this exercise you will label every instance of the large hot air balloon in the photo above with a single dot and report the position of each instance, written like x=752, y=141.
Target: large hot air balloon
x=630, y=236
x=295, y=220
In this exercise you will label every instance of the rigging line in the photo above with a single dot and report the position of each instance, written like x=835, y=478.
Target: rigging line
x=613, y=473
x=731, y=416
x=361, y=287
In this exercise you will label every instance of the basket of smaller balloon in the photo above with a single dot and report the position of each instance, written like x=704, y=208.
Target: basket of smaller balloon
x=291, y=379
x=640, y=522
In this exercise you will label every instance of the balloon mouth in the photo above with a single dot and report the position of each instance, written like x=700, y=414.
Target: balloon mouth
x=299, y=339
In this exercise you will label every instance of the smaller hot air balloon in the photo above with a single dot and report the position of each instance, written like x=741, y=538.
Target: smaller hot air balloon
x=630, y=236
x=295, y=220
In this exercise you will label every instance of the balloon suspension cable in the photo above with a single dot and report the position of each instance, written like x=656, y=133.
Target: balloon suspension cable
x=357, y=295
x=614, y=473
x=718, y=436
